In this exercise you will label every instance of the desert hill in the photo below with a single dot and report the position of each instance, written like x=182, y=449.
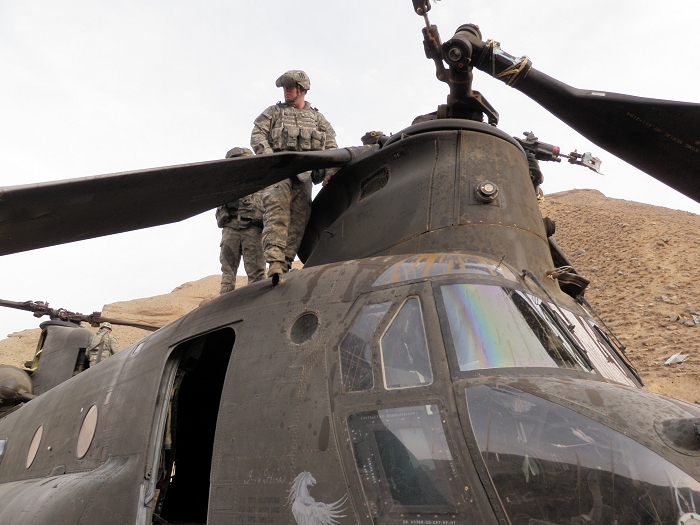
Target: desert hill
x=643, y=262
x=157, y=311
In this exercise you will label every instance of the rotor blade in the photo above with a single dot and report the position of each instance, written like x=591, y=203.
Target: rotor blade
x=27, y=306
x=660, y=137
x=95, y=321
x=50, y=213
x=41, y=309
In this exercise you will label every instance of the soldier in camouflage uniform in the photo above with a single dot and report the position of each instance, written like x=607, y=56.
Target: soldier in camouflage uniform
x=241, y=222
x=102, y=345
x=292, y=125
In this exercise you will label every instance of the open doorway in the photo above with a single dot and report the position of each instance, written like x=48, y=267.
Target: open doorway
x=188, y=441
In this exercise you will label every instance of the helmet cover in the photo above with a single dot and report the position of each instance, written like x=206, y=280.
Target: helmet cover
x=294, y=77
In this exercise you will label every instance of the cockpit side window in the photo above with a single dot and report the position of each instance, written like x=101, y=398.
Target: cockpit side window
x=600, y=355
x=404, y=348
x=562, y=352
x=494, y=327
x=355, y=349
x=605, y=341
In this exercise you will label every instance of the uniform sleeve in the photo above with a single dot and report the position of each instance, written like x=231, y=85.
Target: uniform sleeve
x=260, y=137
x=258, y=206
x=114, y=345
x=325, y=126
x=222, y=216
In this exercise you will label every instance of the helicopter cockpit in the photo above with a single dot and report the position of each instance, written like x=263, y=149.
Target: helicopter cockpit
x=490, y=320
x=546, y=463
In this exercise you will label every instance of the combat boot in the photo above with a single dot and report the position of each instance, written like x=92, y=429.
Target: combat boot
x=288, y=264
x=274, y=271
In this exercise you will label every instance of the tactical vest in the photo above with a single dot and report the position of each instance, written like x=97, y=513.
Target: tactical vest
x=296, y=129
x=245, y=211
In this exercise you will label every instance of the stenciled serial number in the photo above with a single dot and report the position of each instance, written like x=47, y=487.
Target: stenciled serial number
x=263, y=478
x=653, y=127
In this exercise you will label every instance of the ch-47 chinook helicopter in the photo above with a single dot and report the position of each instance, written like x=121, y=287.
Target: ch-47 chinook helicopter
x=432, y=364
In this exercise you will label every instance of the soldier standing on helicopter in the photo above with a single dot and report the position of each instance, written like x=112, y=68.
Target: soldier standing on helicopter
x=292, y=125
x=102, y=345
x=241, y=222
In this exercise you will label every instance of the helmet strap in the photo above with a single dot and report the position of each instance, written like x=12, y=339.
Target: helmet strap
x=299, y=94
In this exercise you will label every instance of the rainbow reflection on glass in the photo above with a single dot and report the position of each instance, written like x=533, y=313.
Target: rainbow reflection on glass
x=490, y=331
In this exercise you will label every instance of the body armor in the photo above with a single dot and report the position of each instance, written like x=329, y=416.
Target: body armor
x=286, y=128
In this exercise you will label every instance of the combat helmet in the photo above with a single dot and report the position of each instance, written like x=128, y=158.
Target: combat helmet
x=106, y=325
x=238, y=152
x=294, y=76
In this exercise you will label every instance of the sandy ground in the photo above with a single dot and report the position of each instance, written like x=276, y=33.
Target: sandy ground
x=643, y=262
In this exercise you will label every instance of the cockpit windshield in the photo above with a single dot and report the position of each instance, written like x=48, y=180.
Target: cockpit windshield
x=489, y=326
x=494, y=327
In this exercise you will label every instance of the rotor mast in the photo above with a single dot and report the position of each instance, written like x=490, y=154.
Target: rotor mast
x=462, y=102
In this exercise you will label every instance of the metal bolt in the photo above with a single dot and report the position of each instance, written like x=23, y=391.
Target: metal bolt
x=454, y=54
x=486, y=192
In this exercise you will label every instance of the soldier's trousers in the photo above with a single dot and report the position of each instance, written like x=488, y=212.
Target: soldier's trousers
x=287, y=208
x=235, y=243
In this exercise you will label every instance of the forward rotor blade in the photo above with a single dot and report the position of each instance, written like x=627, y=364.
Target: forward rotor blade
x=660, y=137
x=50, y=213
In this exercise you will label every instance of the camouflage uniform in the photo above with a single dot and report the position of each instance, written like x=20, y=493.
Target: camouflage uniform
x=241, y=236
x=241, y=223
x=287, y=204
x=102, y=341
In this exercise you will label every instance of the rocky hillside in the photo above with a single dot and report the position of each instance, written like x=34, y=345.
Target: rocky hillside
x=643, y=262
x=157, y=311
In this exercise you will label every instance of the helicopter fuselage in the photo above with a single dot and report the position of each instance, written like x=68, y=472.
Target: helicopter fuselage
x=356, y=373
x=421, y=369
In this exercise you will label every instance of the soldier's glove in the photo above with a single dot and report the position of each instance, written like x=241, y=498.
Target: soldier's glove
x=317, y=176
